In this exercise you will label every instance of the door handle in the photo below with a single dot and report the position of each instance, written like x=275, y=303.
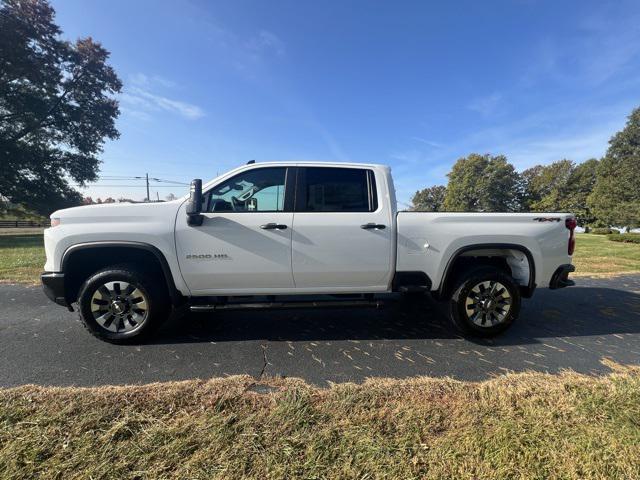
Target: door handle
x=371, y=226
x=273, y=226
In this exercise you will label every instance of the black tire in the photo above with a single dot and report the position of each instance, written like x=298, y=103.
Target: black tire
x=154, y=296
x=469, y=286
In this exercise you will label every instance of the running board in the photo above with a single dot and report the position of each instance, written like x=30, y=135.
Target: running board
x=288, y=305
x=413, y=289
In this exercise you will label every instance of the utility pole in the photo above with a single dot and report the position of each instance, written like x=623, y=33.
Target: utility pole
x=148, y=196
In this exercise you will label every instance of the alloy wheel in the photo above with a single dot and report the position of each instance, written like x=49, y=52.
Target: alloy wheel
x=119, y=307
x=488, y=303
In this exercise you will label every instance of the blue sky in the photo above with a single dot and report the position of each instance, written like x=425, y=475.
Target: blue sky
x=416, y=85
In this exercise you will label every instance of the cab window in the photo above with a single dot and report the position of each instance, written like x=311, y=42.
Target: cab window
x=326, y=189
x=256, y=190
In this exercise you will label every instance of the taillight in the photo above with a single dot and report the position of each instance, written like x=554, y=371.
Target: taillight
x=55, y=222
x=571, y=224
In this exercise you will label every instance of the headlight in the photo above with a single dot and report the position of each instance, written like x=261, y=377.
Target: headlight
x=55, y=222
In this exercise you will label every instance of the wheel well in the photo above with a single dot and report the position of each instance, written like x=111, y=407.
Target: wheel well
x=515, y=262
x=79, y=264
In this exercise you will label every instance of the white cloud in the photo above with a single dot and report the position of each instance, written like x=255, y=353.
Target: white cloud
x=140, y=100
x=251, y=58
x=427, y=142
x=250, y=55
x=267, y=41
x=149, y=81
x=136, y=113
x=183, y=109
x=139, y=79
x=487, y=105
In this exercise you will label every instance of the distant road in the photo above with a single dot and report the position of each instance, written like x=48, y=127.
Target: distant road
x=573, y=328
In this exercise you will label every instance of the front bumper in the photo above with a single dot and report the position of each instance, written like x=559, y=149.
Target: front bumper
x=560, y=278
x=53, y=286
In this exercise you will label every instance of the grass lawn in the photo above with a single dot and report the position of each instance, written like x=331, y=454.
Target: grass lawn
x=595, y=255
x=22, y=256
x=528, y=425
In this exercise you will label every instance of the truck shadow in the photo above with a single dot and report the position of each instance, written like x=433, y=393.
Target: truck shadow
x=572, y=312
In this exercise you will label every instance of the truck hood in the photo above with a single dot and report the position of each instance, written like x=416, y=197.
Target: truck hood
x=117, y=211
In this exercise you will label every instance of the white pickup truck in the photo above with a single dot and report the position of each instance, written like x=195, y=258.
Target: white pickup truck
x=265, y=232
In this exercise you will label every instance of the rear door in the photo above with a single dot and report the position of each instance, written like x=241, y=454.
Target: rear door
x=342, y=231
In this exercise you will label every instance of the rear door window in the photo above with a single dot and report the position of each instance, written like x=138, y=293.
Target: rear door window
x=326, y=189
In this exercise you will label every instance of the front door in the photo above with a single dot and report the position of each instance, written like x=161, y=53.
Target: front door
x=244, y=242
x=342, y=234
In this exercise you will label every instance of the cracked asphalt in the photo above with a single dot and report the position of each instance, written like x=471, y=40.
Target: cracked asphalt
x=573, y=328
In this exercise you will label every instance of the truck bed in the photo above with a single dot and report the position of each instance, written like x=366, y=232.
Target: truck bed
x=428, y=242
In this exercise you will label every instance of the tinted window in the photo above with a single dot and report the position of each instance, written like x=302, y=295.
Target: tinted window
x=335, y=190
x=257, y=190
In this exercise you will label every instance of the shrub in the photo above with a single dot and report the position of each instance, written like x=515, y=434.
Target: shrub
x=601, y=231
x=625, y=237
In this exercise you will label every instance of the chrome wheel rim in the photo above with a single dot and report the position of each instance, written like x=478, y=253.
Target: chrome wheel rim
x=119, y=307
x=488, y=303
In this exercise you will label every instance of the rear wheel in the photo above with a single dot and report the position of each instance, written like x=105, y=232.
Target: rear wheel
x=485, y=302
x=121, y=304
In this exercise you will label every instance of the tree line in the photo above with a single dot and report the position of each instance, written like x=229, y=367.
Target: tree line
x=600, y=192
x=98, y=201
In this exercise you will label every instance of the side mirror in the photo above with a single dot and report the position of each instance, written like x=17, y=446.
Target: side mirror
x=194, y=205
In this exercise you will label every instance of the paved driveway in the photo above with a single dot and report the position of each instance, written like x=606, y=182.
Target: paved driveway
x=572, y=328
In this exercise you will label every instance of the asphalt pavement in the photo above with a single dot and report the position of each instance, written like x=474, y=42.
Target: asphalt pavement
x=574, y=328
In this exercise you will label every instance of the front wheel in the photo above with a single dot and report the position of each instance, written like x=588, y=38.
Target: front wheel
x=485, y=302
x=122, y=304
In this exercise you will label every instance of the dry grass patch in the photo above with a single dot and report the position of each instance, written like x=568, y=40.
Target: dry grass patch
x=516, y=426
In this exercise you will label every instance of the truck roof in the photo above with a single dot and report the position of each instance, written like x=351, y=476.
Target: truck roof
x=323, y=163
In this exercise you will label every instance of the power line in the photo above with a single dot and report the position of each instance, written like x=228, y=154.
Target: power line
x=149, y=182
x=120, y=185
x=168, y=181
x=162, y=174
x=122, y=177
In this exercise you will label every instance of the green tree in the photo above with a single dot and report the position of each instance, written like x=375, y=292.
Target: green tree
x=57, y=108
x=529, y=184
x=483, y=183
x=580, y=184
x=561, y=186
x=429, y=199
x=615, y=199
x=545, y=186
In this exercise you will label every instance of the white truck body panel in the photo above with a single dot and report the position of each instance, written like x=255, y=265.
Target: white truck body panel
x=242, y=255
x=426, y=241
x=146, y=223
x=318, y=252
